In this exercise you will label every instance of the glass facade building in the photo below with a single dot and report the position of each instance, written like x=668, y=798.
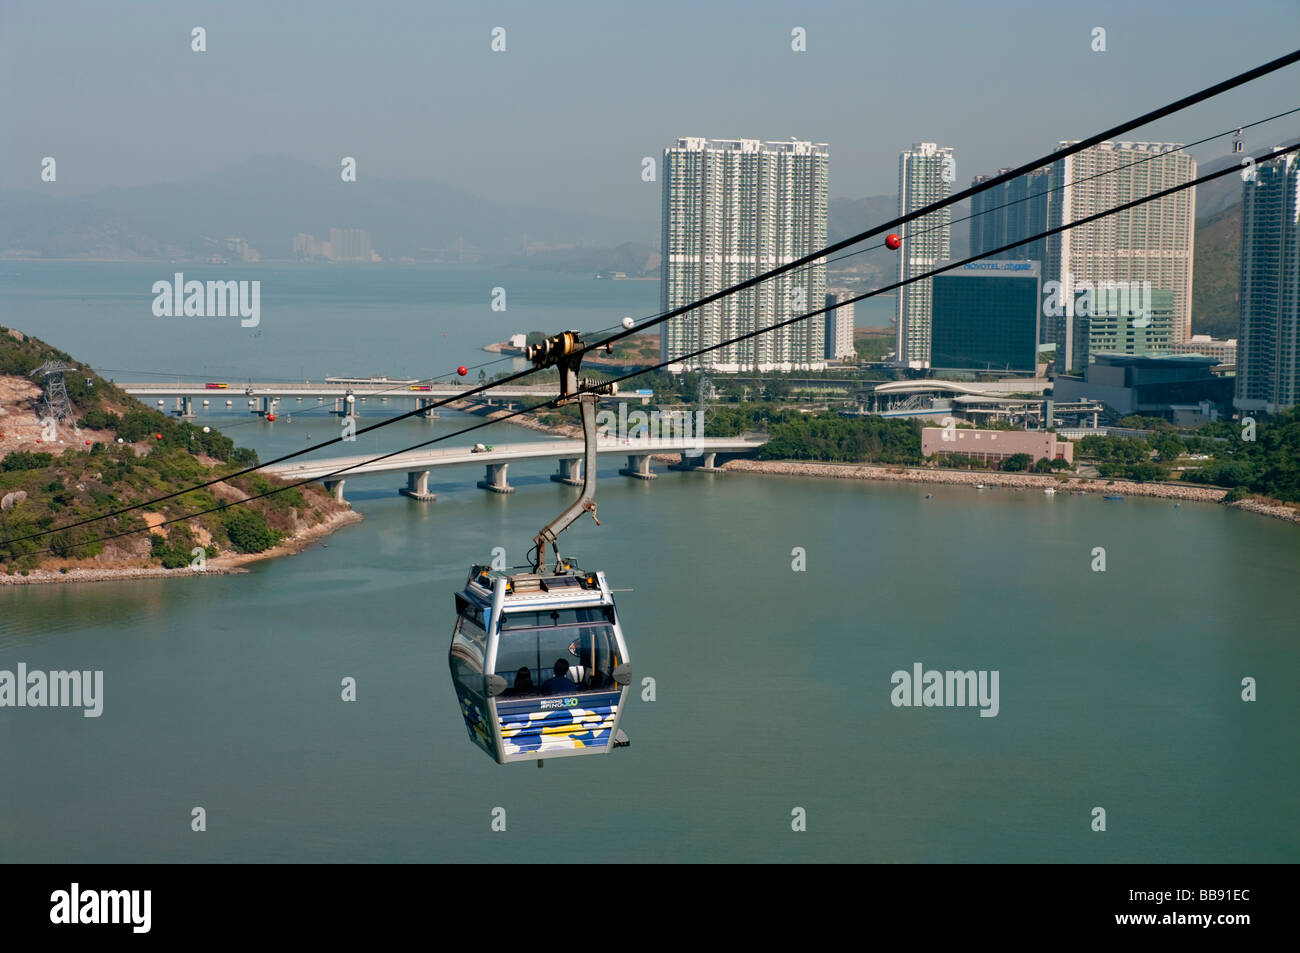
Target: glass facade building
x=985, y=317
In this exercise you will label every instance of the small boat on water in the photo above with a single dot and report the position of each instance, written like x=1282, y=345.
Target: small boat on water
x=1050, y=490
x=1112, y=496
x=979, y=486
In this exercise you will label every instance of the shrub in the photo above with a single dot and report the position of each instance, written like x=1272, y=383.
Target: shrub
x=248, y=531
x=25, y=460
x=99, y=420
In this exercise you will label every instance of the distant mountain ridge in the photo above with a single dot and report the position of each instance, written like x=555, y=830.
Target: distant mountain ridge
x=266, y=201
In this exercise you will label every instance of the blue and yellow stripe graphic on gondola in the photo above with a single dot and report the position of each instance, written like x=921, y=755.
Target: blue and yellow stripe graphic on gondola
x=525, y=730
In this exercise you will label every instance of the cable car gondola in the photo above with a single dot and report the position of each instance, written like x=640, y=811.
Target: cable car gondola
x=537, y=656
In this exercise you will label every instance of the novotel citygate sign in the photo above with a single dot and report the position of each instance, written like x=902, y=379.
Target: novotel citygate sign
x=1027, y=267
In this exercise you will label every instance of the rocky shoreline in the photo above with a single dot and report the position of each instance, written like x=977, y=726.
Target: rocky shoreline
x=901, y=474
x=220, y=566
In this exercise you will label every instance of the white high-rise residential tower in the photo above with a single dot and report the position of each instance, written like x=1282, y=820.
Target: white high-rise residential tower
x=839, y=326
x=1152, y=242
x=732, y=209
x=925, y=174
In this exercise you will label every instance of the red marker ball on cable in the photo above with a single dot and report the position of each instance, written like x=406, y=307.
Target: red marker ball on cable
x=892, y=242
x=462, y=370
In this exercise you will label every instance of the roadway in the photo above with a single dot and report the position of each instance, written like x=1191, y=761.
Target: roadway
x=423, y=460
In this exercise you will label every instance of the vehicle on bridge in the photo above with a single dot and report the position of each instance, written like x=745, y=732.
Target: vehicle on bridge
x=481, y=448
x=211, y=385
x=421, y=387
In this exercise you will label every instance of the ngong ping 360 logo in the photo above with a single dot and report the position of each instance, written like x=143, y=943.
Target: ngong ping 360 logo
x=1086, y=299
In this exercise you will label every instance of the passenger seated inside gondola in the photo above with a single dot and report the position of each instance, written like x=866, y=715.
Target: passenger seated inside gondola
x=559, y=683
x=523, y=684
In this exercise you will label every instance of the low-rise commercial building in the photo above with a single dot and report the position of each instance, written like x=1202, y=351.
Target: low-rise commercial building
x=994, y=446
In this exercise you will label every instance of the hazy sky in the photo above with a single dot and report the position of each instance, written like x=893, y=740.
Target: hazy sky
x=584, y=90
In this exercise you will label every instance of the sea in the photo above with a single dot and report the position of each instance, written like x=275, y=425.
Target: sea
x=1146, y=711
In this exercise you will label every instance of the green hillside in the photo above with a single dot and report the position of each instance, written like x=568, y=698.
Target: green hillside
x=121, y=453
x=1216, y=273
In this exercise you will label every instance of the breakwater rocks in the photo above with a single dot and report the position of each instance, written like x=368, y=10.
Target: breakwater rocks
x=900, y=474
x=1266, y=507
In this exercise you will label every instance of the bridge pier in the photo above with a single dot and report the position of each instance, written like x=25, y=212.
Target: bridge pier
x=703, y=462
x=570, y=472
x=638, y=466
x=336, y=488
x=417, y=486
x=185, y=408
x=426, y=405
x=495, y=479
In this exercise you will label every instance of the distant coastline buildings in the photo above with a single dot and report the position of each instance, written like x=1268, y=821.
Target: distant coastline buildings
x=233, y=248
x=1268, y=350
x=732, y=209
x=345, y=244
x=925, y=175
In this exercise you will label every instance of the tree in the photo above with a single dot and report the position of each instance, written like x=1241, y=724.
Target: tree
x=25, y=460
x=776, y=388
x=1017, y=462
x=1169, y=447
x=1143, y=472
x=248, y=531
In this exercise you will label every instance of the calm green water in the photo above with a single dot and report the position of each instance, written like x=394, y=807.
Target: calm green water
x=1118, y=689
